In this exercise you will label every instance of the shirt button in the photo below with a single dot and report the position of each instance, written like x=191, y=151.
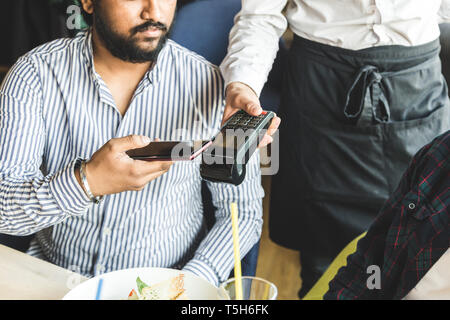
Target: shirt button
x=411, y=206
x=371, y=9
x=100, y=268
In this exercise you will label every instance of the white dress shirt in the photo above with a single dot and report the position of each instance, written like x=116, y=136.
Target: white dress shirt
x=350, y=24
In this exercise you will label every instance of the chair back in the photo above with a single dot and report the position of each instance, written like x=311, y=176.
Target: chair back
x=445, y=50
x=203, y=26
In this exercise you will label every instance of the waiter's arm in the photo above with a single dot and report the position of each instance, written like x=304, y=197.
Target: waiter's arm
x=444, y=12
x=253, y=45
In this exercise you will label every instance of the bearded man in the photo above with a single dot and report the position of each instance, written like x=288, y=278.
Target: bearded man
x=69, y=111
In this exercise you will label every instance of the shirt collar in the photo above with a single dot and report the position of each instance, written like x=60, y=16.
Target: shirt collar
x=153, y=75
x=87, y=49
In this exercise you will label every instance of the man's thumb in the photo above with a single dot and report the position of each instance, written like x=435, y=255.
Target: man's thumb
x=132, y=142
x=253, y=109
x=144, y=140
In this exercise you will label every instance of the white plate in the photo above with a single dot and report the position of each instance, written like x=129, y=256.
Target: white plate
x=118, y=284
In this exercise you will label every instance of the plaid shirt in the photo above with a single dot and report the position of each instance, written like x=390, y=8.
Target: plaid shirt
x=409, y=235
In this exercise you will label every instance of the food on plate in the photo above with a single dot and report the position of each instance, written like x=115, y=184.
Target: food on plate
x=171, y=289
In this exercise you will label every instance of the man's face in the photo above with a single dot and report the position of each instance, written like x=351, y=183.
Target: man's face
x=133, y=30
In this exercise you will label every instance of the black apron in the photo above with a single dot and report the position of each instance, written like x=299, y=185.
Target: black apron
x=351, y=121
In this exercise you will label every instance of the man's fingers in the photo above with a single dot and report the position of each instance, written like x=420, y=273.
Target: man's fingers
x=240, y=96
x=129, y=142
x=253, y=109
x=145, y=168
x=251, y=106
x=153, y=176
x=273, y=127
x=266, y=140
x=141, y=182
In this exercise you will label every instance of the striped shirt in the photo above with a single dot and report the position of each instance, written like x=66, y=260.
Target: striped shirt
x=56, y=110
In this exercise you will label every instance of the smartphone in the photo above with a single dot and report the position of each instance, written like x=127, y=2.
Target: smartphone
x=169, y=150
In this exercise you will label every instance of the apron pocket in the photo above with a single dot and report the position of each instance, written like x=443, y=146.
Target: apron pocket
x=361, y=163
x=341, y=161
x=404, y=138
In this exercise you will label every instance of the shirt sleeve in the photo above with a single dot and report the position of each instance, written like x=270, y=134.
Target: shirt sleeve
x=444, y=12
x=253, y=42
x=214, y=258
x=29, y=200
x=350, y=283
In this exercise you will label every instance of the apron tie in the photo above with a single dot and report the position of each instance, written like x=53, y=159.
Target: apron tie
x=370, y=106
x=366, y=102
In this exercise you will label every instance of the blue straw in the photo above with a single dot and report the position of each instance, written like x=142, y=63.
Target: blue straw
x=99, y=289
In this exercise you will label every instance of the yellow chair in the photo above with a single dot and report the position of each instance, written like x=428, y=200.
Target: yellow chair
x=321, y=287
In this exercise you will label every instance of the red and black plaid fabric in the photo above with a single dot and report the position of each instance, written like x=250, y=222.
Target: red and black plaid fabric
x=409, y=235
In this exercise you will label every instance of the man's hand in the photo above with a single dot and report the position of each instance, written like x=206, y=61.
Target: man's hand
x=111, y=170
x=239, y=96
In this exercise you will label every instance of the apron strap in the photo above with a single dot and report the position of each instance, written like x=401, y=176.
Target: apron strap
x=371, y=105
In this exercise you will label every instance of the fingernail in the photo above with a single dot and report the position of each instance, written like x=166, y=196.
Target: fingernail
x=254, y=109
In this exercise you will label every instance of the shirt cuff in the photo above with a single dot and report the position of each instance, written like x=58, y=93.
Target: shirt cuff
x=443, y=19
x=202, y=269
x=246, y=75
x=67, y=192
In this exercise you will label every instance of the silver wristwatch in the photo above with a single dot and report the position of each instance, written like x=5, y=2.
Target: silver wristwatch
x=85, y=183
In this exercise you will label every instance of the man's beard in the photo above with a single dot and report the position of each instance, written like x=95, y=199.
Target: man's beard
x=127, y=49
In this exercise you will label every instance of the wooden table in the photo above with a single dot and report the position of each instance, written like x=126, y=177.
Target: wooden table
x=27, y=278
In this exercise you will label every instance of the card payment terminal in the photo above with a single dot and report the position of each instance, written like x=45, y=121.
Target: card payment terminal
x=226, y=158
